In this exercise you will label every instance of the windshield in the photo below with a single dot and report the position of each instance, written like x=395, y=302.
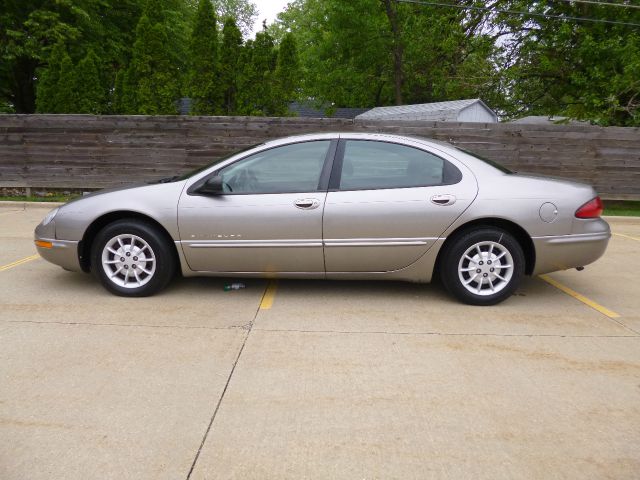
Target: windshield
x=216, y=161
x=496, y=165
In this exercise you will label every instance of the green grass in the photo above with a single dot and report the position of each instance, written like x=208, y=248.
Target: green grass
x=48, y=198
x=622, y=208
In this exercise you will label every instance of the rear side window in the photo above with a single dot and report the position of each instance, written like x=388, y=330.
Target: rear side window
x=369, y=165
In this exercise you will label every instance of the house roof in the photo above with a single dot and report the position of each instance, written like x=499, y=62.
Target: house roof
x=548, y=120
x=309, y=111
x=438, y=111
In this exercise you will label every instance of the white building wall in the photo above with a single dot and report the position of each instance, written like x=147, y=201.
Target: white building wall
x=476, y=113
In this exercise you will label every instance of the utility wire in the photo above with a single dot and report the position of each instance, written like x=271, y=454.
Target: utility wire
x=518, y=12
x=602, y=4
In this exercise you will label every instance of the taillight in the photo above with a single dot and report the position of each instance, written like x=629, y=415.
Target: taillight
x=591, y=209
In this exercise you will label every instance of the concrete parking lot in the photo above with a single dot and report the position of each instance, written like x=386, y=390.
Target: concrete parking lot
x=311, y=379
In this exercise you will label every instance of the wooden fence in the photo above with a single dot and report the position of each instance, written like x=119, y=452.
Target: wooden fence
x=85, y=151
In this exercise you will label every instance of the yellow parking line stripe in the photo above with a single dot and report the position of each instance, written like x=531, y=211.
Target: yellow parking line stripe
x=581, y=298
x=269, y=295
x=19, y=262
x=626, y=236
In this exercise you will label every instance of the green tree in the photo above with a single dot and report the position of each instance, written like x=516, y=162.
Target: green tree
x=152, y=82
x=118, y=103
x=287, y=74
x=230, y=67
x=48, y=81
x=66, y=98
x=563, y=66
x=367, y=53
x=89, y=91
x=244, y=12
x=31, y=29
x=202, y=83
x=257, y=90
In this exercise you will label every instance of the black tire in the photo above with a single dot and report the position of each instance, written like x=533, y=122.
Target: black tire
x=452, y=260
x=162, y=267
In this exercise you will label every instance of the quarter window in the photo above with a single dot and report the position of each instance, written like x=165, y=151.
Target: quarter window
x=286, y=169
x=376, y=165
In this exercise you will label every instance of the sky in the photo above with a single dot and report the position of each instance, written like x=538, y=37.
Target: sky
x=268, y=9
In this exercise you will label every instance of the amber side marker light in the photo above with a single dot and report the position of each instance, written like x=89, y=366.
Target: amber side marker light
x=43, y=244
x=591, y=209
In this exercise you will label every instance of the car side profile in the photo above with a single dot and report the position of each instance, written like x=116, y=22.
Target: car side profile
x=337, y=206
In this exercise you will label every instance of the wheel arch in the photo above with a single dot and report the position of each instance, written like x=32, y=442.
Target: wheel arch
x=519, y=233
x=84, y=247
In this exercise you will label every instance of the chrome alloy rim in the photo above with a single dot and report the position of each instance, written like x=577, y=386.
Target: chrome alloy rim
x=128, y=261
x=485, y=268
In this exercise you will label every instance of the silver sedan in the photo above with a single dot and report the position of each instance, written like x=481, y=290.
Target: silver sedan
x=335, y=206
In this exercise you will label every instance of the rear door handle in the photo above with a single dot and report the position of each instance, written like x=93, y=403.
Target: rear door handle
x=443, y=199
x=307, y=203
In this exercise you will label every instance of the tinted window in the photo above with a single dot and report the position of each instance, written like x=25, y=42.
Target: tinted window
x=372, y=165
x=291, y=168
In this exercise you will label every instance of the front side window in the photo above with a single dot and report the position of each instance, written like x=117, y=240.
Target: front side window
x=286, y=169
x=376, y=165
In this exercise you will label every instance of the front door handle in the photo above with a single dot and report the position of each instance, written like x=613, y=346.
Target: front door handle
x=443, y=199
x=307, y=203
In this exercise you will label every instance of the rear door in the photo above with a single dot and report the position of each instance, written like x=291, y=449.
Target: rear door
x=388, y=203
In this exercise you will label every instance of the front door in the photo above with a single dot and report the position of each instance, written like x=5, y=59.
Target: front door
x=269, y=218
x=388, y=203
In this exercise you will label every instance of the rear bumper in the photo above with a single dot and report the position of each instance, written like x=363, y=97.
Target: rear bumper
x=62, y=252
x=568, y=251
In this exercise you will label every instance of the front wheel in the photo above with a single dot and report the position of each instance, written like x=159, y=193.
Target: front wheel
x=483, y=266
x=132, y=258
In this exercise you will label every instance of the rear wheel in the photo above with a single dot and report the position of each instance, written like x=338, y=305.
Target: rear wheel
x=132, y=258
x=482, y=266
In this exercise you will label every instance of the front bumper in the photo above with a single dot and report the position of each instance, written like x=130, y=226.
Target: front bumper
x=568, y=251
x=62, y=252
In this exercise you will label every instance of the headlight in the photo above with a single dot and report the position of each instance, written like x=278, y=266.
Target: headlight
x=49, y=216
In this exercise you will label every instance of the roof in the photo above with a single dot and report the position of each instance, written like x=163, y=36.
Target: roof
x=548, y=120
x=307, y=110
x=438, y=111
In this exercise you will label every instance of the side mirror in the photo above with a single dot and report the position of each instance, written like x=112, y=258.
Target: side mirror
x=213, y=186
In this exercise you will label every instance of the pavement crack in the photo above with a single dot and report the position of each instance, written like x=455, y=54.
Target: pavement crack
x=130, y=325
x=248, y=328
x=623, y=325
x=443, y=334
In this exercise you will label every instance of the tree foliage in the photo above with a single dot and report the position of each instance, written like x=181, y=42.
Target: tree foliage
x=88, y=86
x=287, y=74
x=202, y=78
x=255, y=89
x=230, y=67
x=367, y=53
x=579, y=69
x=65, y=94
x=141, y=56
x=152, y=82
x=50, y=79
x=244, y=13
